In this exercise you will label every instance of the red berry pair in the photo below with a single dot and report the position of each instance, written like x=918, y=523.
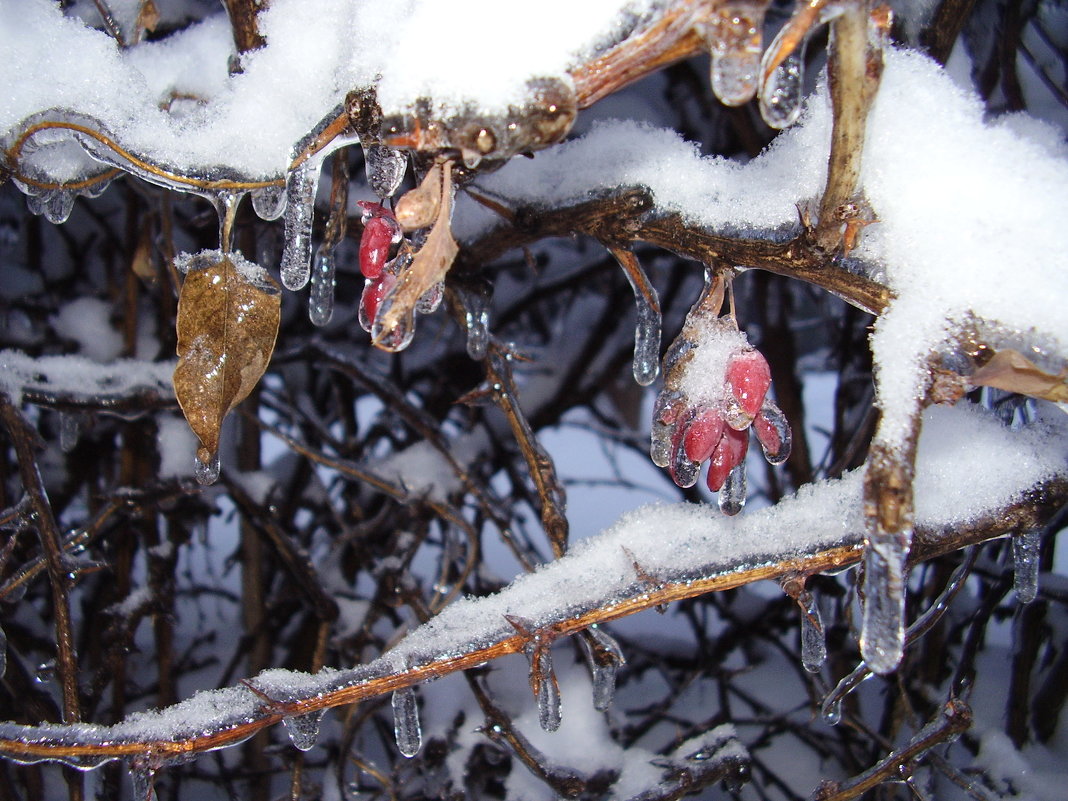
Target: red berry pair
x=380, y=233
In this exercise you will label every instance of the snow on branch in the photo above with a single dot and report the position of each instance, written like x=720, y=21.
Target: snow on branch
x=975, y=478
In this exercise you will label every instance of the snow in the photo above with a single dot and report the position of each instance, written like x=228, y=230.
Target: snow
x=87, y=322
x=77, y=377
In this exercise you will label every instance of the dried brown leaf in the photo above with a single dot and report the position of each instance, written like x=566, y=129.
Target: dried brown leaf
x=227, y=324
x=1012, y=371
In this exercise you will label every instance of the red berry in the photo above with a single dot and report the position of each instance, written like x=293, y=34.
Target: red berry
x=773, y=433
x=703, y=434
x=729, y=452
x=749, y=377
x=374, y=246
x=373, y=292
x=372, y=209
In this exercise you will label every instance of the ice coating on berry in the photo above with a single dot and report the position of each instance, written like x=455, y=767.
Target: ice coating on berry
x=773, y=433
x=373, y=292
x=703, y=434
x=374, y=246
x=729, y=452
x=749, y=377
x=684, y=470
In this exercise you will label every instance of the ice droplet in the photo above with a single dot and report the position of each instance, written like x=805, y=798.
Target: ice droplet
x=476, y=318
x=431, y=299
x=882, y=632
x=780, y=96
x=773, y=433
x=604, y=656
x=684, y=471
x=831, y=711
x=813, y=642
x=321, y=296
x=207, y=472
x=303, y=730
x=301, y=184
x=269, y=202
x=406, y=727
x=665, y=411
x=141, y=776
x=70, y=429
x=400, y=335
x=734, y=40
x=546, y=688
x=647, y=329
x=385, y=168
x=732, y=494
x=1026, y=552
x=57, y=205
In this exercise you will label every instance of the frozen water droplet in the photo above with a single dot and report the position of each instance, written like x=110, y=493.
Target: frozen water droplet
x=684, y=471
x=832, y=704
x=303, y=730
x=735, y=39
x=665, y=411
x=813, y=642
x=546, y=689
x=882, y=633
x=831, y=711
x=604, y=657
x=1026, y=551
x=141, y=776
x=780, y=96
x=400, y=334
x=406, y=727
x=431, y=299
x=321, y=296
x=301, y=184
x=476, y=318
x=58, y=205
x=269, y=202
x=70, y=429
x=773, y=433
x=385, y=168
x=96, y=188
x=35, y=203
x=207, y=472
x=647, y=329
x=732, y=494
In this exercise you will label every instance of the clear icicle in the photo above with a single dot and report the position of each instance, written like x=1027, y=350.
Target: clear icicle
x=882, y=632
x=546, y=688
x=70, y=430
x=831, y=711
x=207, y=472
x=665, y=411
x=321, y=296
x=647, y=330
x=813, y=642
x=735, y=44
x=303, y=730
x=269, y=202
x=301, y=185
x=604, y=657
x=406, y=727
x=684, y=471
x=780, y=96
x=58, y=205
x=141, y=776
x=732, y=495
x=1026, y=553
x=385, y=168
x=476, y=318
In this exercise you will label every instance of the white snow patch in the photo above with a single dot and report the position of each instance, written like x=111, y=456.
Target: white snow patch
x=88, y=322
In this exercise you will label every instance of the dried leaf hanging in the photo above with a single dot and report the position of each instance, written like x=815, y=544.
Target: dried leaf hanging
x=228, y=316
x=1012, y=371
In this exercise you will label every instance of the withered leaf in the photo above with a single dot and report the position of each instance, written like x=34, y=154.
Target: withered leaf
x=1012, y=371
x=428, y=267
x=228, y=316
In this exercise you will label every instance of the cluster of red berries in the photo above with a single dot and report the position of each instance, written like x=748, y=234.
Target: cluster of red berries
x=381, y=232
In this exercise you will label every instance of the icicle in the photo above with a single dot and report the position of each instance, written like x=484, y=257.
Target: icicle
x=684, y=471
x=321, y=296
x=1026, y=552
x=647, y=329
x=732, y=495
x=780, y=97
x=141, y=777
x=406, y=727
x=831, y=711
x=882, y=633
x=665, y=411
x=604, y=656
x=546, y=688
x=476, y=318
x=385, y=168
x=226, y=204
x=303, y=730
x=403, y=331
x=813, y=643
x=431, y=299
x=734, y=40
x=57, y=205
x=301, y=185
x=269, y=202
x=70, y=429
x=207, y=472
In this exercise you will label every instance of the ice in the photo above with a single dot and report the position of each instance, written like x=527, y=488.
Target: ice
x=141, y=777
x=70, y=429
x=732, y=495
x=385, y=168
x=780, y=96
x=406, y=727
x=684, y=471
x=735, y=38
x=773, y=434
x=647, y=329
x=269, y=202
x=604, y=657
x=546, y=687
x=665, y=411
x=321, y=296
x=882, y=632
x=301, y=184
x=303, y=730
x=55, y=204
x=813, y=642
x=1026, y=562
x=207, y=471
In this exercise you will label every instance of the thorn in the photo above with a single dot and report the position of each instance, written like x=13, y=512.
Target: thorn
x=645, y=578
